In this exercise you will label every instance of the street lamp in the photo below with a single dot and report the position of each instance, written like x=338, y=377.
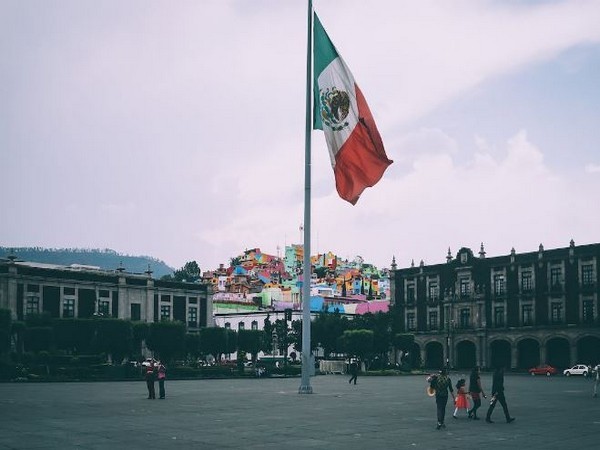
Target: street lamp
x=450, y=324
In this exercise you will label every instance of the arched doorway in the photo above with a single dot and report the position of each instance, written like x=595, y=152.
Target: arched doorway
x=558, y=353
x=528, y=353
x=465, y=355
x=415, y=356
x=500, y=354
x=588, y=350
x=434, y=355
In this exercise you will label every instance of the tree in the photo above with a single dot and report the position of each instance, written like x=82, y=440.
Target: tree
x=74, y=335
x=213, y=341
x=39, y=339
x=140, y=330
x=192, y=346
x=250, y=341
x=358, y=343
x=267, y=340
x=190, y=272
x=230, y=341
x=114, y=336
x=405, y=342
x=327, y=328
x=282, y=334
x=5, y=330
x=167, y=339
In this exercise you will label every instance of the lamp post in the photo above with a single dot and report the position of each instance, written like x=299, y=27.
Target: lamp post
x=449, y=325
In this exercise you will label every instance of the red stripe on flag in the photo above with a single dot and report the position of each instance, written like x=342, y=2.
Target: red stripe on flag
x=361, y=161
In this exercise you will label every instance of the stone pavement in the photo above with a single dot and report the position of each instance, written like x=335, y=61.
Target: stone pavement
x=377, y=413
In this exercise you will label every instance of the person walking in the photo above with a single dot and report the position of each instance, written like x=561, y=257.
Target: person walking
x=443, y=386
x=596, y=380
x=149, y=376
x=461, y=401
x=353, y=372
x=162, y=375
x=498, y=396
x=475, y=391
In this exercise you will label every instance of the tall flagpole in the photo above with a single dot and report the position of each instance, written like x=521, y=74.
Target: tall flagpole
x=307, y=360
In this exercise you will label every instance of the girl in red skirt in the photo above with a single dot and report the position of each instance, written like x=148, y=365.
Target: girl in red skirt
x=461, y=401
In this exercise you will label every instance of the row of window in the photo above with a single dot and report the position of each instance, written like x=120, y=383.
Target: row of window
x=499, y=316
x=499, y=282
x=242, y=325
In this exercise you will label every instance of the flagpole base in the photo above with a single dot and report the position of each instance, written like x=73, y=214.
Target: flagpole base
x=303, y=389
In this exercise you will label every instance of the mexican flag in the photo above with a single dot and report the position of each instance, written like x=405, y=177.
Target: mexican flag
x=341, y=111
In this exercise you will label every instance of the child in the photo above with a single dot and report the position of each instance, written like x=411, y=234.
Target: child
x=461, y=398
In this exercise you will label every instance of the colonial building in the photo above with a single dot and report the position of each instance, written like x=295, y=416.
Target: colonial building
x=517, y=310
x=84, y=291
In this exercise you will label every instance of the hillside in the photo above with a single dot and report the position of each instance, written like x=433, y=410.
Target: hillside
x=103, y=258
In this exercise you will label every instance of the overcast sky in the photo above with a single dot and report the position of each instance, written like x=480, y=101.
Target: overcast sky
x=176, y=128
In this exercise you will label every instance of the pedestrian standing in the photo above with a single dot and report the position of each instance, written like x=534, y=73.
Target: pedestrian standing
x=353, y=372
x=162, y=375
x=596, y=380
x=149, y=376
x=461, y=401
x=476, y=391
x=443, y=386
x=498, y=396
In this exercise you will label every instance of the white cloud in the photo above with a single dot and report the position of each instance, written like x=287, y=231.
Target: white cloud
x=592, y=168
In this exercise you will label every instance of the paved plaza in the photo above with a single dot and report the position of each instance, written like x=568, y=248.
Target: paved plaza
x=378, y=413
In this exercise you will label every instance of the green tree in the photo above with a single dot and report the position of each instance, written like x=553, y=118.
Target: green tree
x=114, y=336
x=192, y=346
x=213, y=341
x=267, y=340
x=358, y=343
x=250, y=341
x=167, y=339
x=190, y=272
x=5, y=330
x=230, y=341
x=406, y=342
x=74, y=335
x=282, y=334
x=326, y=329
x=39, y=339
x=18, y=331
x=141, y=331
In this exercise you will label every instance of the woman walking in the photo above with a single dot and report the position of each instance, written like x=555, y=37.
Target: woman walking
x=476, y=391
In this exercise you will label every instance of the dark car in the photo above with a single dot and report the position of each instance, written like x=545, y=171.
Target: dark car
x=544, y=369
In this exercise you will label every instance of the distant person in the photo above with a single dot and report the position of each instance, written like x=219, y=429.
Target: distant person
x=162, y=376
x=443, y=386
x=353, y=372
x=498, y=396
x=149, y=377
x=461, y=401
x=476, y=391
x=596, y=380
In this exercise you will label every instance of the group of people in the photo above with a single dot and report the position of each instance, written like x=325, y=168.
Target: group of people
x=442, y=386
x=155, y=370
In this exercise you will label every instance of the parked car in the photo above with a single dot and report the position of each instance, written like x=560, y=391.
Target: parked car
x=544, y=369
x=578, y=369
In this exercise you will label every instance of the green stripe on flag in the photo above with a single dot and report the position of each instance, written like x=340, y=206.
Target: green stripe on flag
x=324, y=53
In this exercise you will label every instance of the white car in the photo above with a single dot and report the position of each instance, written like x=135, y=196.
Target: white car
x=578, y=369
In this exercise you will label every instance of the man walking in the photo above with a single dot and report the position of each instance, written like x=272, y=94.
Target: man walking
x=498, y=396
x=442, y=387
x=353, y=371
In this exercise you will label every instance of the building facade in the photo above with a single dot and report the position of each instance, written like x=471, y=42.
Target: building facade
x=517, y=310
x=84, y=292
